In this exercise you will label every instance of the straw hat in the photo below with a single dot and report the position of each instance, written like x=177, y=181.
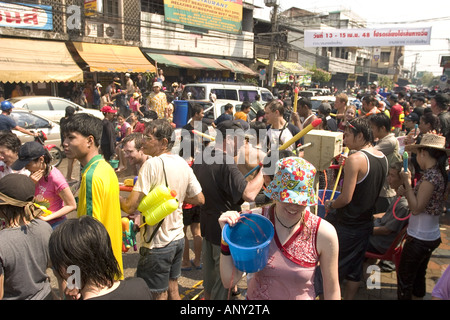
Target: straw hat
x=429, y=140
x=293, y=182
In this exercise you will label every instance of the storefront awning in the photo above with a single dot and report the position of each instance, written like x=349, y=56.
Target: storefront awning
x=113, y=58
x=187, y=62
x=286, y=67
x=190, y=62
x=236, y=67
x=23, y=60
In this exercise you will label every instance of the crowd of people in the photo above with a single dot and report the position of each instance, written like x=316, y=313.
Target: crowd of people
x=311, y=256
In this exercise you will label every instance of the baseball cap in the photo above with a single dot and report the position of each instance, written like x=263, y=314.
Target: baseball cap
x=127, y=75
x=157, y=84
x=28, y=152
x=325, y=108
x=108, y=109
x=414, y=117
x=16, y=186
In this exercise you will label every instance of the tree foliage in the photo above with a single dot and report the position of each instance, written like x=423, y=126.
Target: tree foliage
x=427, y=79
x=319, y=75
x=386, y=82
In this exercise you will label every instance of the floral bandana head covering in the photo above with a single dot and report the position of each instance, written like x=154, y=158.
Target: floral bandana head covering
x=293, y=182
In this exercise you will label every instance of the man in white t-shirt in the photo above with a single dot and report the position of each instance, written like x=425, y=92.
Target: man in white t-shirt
x=279, y=130
x=166, y=248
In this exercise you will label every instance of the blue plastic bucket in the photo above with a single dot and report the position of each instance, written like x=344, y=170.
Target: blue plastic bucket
x=180, y=112
x=321, y=207
x=249, y=242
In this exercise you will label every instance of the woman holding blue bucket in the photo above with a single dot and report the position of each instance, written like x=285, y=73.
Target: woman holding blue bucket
x=301, y=240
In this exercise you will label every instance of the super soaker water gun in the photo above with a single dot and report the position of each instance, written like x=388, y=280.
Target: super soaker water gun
x=405, y=161
x=44, y=209
x=158, y=204
x=128, y=235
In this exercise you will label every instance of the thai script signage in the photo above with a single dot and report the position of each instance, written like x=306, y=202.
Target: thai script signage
x=367, y=37
x=220, y=15
x=26, y=16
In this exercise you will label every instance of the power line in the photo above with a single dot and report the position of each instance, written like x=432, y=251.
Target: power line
x=413, y=21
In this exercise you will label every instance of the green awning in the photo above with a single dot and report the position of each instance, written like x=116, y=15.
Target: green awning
x=294, y=68
x=236, y=67
x=191, y=62
x=187, y=62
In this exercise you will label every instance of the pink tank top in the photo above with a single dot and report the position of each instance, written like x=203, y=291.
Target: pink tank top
x=289, y=273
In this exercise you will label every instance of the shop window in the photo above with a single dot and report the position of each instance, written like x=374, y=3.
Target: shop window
x=153, y=6
x=385, y=56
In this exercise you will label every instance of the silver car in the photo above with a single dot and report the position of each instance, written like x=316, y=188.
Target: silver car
x=34, y=122
x=52, y=108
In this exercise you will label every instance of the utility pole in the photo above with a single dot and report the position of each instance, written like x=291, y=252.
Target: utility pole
x=397, y=65
x=272, y=54
x=414, y=69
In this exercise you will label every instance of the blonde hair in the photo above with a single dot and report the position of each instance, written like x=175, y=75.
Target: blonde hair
x=350, y=107
x=342, y=97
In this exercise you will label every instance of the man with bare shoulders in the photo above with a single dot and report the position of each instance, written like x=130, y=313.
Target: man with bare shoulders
x=304, y=115
x=352, y=211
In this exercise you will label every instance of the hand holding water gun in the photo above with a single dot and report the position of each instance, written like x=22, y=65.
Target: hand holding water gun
x=128, y=235
x=405, y=161
x=295, y=99
x=344, y=155
x=44, y=209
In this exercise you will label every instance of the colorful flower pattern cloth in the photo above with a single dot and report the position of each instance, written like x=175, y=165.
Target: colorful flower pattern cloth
x=293, y=182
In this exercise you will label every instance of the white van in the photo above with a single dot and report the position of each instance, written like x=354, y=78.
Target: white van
x=225, y=91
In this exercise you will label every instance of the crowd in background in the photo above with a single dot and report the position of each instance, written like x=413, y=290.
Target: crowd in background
x=210, y=195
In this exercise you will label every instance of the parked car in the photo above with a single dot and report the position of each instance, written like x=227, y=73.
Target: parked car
x=307, y=93
x=219, y=108
x=52, y=108
x=321, y=91
x=225, y=91
x=213, y=110
x=316, y=101
x=34, y=122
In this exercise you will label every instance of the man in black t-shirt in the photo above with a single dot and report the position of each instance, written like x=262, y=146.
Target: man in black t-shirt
x=439, y=106
x=224, y=188
x=364, y=173
x=197, y=124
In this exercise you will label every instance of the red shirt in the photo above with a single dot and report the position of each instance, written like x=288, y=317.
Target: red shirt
x=139, y=127
x=397, y=116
